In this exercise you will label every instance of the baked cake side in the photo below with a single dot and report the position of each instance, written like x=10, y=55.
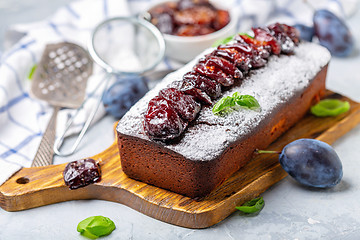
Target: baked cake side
x=212, y=147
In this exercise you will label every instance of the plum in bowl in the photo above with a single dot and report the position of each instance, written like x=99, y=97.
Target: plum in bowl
x=191, y=26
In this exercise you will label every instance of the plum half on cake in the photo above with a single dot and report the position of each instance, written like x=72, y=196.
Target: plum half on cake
x=172, y=139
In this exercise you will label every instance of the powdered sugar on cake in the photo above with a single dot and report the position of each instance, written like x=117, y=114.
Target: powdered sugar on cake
x=273, y=85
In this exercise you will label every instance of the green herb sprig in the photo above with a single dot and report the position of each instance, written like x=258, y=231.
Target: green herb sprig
x=95, y=227
x=231, y=103
x=252, y=206
x=330, y=107
x=32, y=71
x=223, y=41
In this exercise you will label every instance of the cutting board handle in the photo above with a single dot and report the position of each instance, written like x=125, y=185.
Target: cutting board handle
x=38, y=186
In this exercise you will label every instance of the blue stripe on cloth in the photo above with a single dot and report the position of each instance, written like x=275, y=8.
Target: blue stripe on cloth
x=14, y=121
x=105, y=9
x=7, y=107
x=106, y=14
x=13, y=162
x=17, y=78
x=56, y=29
x=13, y=102
x=72, y=11
x=15, y=150
x=17, y=48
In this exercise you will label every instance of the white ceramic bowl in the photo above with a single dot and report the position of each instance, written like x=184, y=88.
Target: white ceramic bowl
x=184, y=49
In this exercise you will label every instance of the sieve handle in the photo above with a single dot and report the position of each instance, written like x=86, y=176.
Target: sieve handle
x=44, y=154
x=60, y=140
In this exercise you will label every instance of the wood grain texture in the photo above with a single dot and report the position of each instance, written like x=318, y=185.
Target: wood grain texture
x=39, y=186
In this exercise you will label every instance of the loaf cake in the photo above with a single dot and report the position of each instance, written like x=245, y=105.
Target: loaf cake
x=206, y=149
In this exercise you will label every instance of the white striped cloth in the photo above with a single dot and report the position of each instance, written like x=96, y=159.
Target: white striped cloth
x=23, y=118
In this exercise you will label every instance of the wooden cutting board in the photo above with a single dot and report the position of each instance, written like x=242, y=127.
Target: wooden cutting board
x=39, y=186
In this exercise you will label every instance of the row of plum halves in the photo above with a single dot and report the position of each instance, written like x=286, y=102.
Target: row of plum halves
x=169, y=113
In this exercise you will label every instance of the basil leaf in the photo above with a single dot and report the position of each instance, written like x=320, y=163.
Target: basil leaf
x=231, y=103
x=330, y=107
x=83, y=224
x=101, y=226
x=82, y=228
x=247, y=101
x=96, y=226
x=252, y=206
x=87, y=234
x=223, y=41
x=32, y=70
x=236, y=95
x=224, y=105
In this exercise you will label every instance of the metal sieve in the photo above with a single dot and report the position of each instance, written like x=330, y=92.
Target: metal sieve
x=122, y=46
